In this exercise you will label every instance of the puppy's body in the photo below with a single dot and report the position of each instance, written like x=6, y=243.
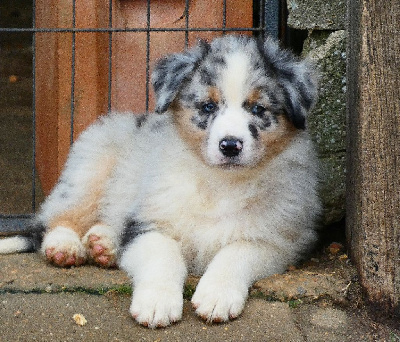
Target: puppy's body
x=223, y=184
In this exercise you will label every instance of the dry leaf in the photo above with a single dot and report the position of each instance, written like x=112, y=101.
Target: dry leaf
x=335, y=247
x=12, y=78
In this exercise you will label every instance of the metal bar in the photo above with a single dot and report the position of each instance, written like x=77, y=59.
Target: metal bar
x=152, y=29
x=148, y=56
x=186, y=14
x=73, y=72
x=15, y=225
x=33, y=190
x=110, y=23
x=224, y=16
x=271, y=18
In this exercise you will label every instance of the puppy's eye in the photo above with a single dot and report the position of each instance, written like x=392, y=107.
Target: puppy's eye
x=209, y=107
x=257, y=110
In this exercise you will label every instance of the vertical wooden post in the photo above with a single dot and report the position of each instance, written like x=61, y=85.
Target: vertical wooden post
x=54, y=76
x=373, y=186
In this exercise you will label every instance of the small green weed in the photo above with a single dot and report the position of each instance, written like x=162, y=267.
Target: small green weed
x=394, y=338
x=122, y=289
x=294, y=303
x=119, y=289
x=188, y=291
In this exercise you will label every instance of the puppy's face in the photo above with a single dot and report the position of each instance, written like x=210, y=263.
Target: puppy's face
x=229, y=113
x=232, y=108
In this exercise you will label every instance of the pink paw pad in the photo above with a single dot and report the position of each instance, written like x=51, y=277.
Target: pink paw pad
x=99, y=253
x=62, y=259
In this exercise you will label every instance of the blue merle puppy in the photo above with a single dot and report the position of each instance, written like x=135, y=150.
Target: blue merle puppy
x=222, y=183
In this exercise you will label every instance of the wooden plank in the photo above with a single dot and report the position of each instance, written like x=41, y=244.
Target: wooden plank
x=373, y=187
x=54, y=77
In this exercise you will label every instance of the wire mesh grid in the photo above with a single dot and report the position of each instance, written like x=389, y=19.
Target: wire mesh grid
x=265, y=21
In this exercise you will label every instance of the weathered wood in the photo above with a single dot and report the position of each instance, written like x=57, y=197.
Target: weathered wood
x=54, y=76
x=373, y=208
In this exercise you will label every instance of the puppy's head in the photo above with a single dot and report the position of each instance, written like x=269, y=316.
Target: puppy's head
x=236, y=101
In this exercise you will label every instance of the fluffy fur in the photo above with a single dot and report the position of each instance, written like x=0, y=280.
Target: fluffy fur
x=222, y=184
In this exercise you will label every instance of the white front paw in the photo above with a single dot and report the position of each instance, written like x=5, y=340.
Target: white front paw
x=156, y=307
x=218, y=302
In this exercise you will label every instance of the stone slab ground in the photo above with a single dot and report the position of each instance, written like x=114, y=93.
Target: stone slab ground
x=316, y=303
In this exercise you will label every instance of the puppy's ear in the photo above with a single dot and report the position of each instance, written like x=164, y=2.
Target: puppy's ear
x=296, y=77
x=171, y=72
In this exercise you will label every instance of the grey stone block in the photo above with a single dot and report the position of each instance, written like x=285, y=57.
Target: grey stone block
x=327, y=123
x=317, y=14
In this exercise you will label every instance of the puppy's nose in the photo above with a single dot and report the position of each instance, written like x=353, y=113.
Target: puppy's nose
x=230, y=146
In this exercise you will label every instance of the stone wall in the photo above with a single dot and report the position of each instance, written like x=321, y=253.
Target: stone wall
x=326, y=46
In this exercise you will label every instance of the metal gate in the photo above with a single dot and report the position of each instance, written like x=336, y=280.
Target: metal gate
x=265, y=18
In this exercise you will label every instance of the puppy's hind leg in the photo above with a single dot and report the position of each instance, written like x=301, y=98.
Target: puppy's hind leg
x=62, y=244
x=74, y=205
x=62, y=247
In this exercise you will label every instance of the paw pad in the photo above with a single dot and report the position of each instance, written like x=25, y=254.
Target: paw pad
x=62, y=247
x=63, y=259
x=99, y=253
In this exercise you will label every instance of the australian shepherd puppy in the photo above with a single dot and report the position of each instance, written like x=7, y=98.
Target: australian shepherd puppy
x=221, y=182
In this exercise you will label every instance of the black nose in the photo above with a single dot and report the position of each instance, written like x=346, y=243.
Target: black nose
x=230, y=147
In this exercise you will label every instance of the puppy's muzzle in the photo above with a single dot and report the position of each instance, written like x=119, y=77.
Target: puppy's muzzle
x=230, y=146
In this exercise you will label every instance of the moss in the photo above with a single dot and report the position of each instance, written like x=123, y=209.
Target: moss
x=122, y=290
x=394, y=338
x=295, y=303
x=188, y=291
x=99, y=291
x=268, y=297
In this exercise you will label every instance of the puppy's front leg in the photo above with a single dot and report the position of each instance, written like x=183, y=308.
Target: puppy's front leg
x=158, y=270
x=223, y=289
